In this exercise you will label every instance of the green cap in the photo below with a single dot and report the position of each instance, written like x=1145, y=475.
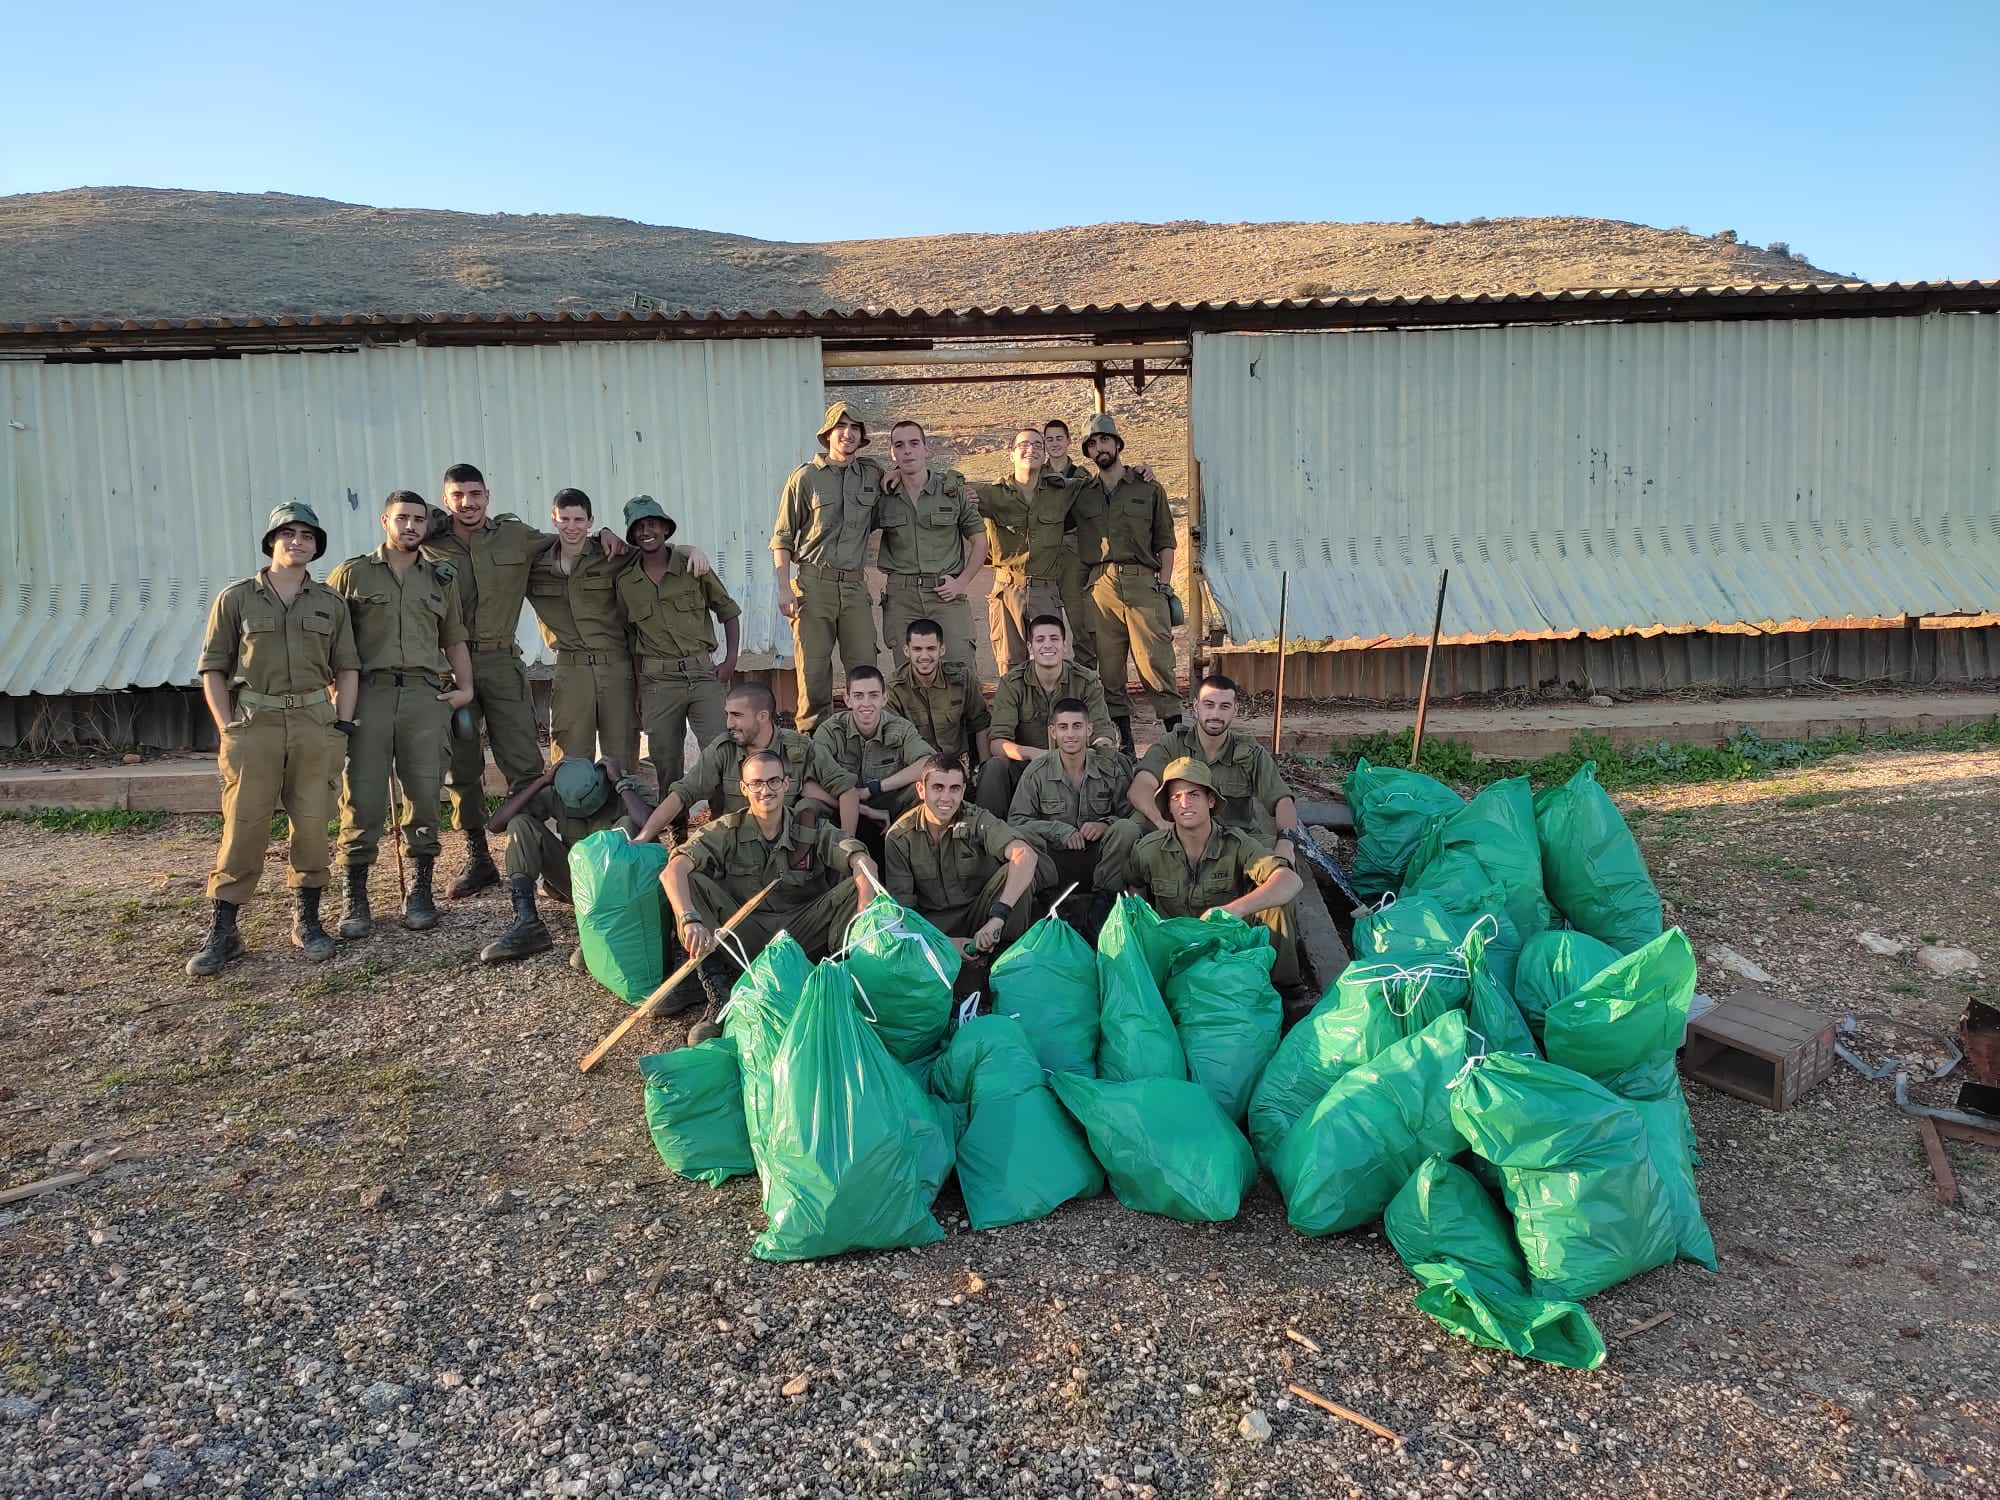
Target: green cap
x=1101, y=425
x=840, y=412
x=1187, y=769
x=646, y=508
x=581, y=785
x=294, y=512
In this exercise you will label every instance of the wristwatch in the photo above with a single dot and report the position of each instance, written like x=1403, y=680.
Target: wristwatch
x=1000, y=911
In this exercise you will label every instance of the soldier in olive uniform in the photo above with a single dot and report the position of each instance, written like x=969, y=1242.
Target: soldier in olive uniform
x=671, y=610
x=407, y=626
x=942, y=698
x=1125, y=533
x=1022, y=703
x=543, y=821
x=815, y=784
x=823, y=880
x=1076, y=601
x=276, y=643
x=1026, y=515
x=572, y=589
x=933, y=546
x=1069, y=800
x=825, y=513
x=960, y=868
x=882, y=751
x=1199, y=865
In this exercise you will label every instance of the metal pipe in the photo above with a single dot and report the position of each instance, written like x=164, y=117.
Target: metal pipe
x=1002, y=354
x=1284, y=624
x=1424, y=688
x=997, y=379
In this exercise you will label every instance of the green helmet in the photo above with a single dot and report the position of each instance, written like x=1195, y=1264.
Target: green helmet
x=581, y=785
x=1101, y=425
x=840, y=412
x=646, y=508
x=294, y=512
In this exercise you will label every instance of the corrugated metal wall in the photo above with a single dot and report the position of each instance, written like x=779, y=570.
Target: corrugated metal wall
x=132, y=492
x=1600, y=477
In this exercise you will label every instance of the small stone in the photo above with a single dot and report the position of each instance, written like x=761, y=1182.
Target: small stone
x=1880, y=946
x=796, y=1386
x=133, y=760
x=1728, y=958
x=974, y=1283
x=593, y=1275
x=451, y=1380
x=1255, y=1426
x=1946, y=963
x=383, y=1397
x=1599, y=700
x=104, y=1236
x=18, y=1409
x=541, y=1300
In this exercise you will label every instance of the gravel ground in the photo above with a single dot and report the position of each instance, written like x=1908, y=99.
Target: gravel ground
x=373, y=1232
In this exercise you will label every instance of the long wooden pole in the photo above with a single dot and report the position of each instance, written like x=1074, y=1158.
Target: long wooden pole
x=1284, y=628
x=1003, y=354
x=652, y=1002
x=1430, y=655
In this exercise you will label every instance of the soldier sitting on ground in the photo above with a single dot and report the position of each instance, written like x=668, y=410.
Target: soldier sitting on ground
x=1022, y=702
x=882, y=751
x=942, y=698
x=962, y=869
x=815, y=786
x=1067, y=801
x=543, y=821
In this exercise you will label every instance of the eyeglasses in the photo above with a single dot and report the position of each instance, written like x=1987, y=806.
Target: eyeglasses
x=768, y=784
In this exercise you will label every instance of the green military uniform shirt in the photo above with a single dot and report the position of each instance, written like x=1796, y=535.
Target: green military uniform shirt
x=733, y=852
x=579, y=610
x=948, y=711
x=1021, y=705
x=927, y=533
x=717, y=778
x=676, y=616
x=1027, y=533
x=894, y=746
x=1046, y=805
x=1246, y=776
x=826, y=511
x=1231, y=863
x=491, y=570
x=947, y=874
x=1133, y=524
x=261, y=644
x=406, y=625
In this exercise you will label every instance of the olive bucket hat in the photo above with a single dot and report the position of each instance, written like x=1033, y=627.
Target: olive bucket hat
x=646, y=508
x=294, y=513
x=580, y=786
x=1190, y=770
x=1102, y=425
x=840, y=412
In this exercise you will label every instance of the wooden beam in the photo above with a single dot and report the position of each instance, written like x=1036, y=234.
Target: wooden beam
x=1003, y=354
x=1947, y=1184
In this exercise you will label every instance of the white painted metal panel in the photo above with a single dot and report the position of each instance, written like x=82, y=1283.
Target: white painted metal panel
x=1601, y=478
x=131, y=492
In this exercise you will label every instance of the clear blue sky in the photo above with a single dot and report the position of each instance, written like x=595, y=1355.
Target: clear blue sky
x=1867, y=136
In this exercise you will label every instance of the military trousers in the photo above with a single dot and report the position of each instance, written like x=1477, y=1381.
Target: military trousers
x=1114, y=851
x=274, y=758
x=535, y=849
x=1079, y=609
x=674, y=694
x=964, y=921
x=1017, y=599
x=817, y=923
x=998, y=776
x=504, y=707
x=835, y=612
x=913, y=596
x=1134, y=628
x=591, y=704
x=400, y=727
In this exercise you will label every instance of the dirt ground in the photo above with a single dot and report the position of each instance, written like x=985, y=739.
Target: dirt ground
x=374, y=1232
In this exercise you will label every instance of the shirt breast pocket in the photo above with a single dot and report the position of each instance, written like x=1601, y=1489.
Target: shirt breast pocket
x=745, y=863
x=319, y=622
x=258, y=628
x=545, y=588
x=941, y=514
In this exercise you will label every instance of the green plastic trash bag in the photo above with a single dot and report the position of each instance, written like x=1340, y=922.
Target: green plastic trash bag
x=1490, y=842
x=1020, y=1155
x=1224, y=1010
x=1390, y=807
x=761, y=1002
x=1591, y=864
x=1164, y=1144
x=1575, y=1169
x=1342, y=1163
x=1553, y=966
x=1623, y=1029
x=854, y=1152
x=1409, y=961
x=1048, y=982
x=1491, y=1014
x=694, y=1109
x=1137, y=1037
x=906, y=968
x=1454, y=1239
x=1337, y=1035
x=616, y=886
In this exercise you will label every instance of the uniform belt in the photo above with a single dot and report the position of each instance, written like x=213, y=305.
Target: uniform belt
x=923, y=580
x=677, y=664
x=1132, y=568
x=591, y=658
x=832, y=575
x=484, y=646
x=1018, y=575
x=402, y=679
x=280, y=700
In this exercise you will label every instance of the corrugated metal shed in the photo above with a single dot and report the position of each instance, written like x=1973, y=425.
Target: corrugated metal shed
x=1600, y=478
x=131, y=492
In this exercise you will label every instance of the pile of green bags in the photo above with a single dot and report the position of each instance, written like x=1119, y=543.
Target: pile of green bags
x=1591, y=864
x=1048, y=982
x=616, y=887
x=905, y=968
x=1390, y=808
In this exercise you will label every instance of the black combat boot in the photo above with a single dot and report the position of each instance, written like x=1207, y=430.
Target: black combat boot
x=527, y=936
x=358, y=921
x=420, y=913
x=307, y=935
x=480, y=871
x=1124, y=723
x=715, y=981
x=224, y=946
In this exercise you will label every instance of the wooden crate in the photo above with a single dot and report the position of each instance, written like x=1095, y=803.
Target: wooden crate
x=1760, y=1048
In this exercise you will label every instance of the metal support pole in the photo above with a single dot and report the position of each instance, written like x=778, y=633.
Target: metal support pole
x=1284, y=627
x=1430, y=655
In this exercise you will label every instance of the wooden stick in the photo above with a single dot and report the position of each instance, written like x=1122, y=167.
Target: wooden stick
x=1299, y=1338
x=1430, y=655
x=92, y=1164
x=652, y=1002
x=1947, y=1184
x=1284, y=623
x=1343, y=1413
x=1653, y=1322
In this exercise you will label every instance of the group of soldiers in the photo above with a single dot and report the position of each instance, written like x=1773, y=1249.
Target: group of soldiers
x=376, y=688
